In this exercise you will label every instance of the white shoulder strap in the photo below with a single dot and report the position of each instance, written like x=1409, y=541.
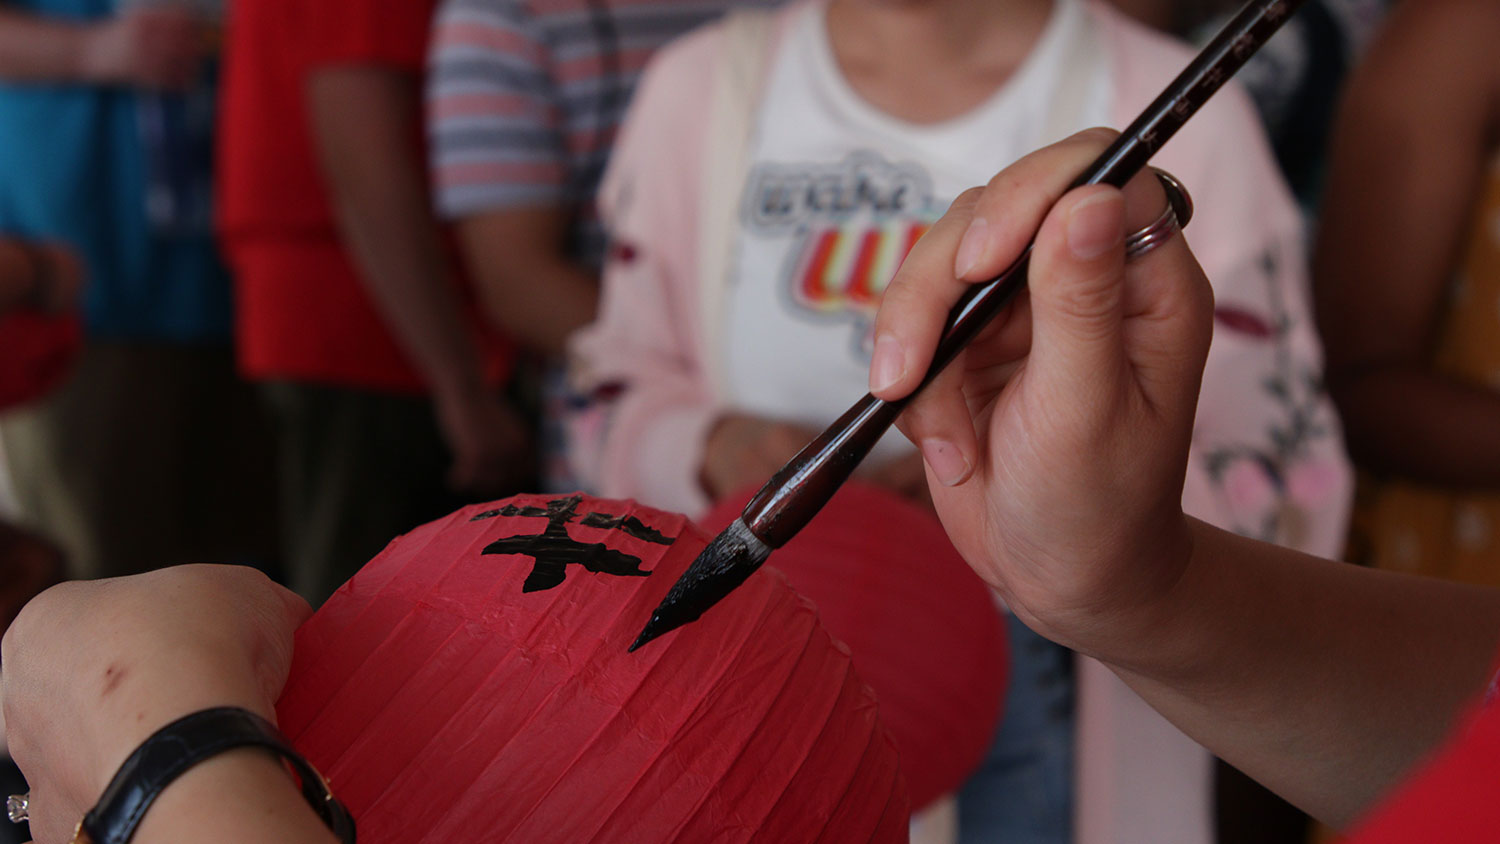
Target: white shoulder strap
x=738, y=86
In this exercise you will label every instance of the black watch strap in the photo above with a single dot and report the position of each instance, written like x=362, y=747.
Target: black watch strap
x=184, y=743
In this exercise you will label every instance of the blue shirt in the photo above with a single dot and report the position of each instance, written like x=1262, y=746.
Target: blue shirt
x=73, y=168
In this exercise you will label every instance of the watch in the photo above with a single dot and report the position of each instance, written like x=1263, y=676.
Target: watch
x=175, y=748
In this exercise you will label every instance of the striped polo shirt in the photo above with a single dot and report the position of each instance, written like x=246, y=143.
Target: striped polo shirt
x=525, y=96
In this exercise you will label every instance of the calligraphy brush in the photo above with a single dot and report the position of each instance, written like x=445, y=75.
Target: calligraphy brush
x=800, y=489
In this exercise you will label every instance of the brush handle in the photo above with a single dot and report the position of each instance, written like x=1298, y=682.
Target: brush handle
x=800, y=489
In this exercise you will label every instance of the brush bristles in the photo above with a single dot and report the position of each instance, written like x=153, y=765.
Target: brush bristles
x=727, y=562
x=730, y=551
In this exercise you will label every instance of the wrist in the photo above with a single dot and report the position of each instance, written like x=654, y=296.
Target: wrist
x=1188, y=632
x=196, y=764
x=142, y=705
x=724, y=445
x=247, y=789
x=1136, y=625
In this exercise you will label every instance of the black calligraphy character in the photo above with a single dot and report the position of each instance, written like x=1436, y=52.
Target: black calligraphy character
x=553, y=550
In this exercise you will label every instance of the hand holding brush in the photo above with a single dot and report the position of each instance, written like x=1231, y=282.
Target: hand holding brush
x=1075, y=409
x=795, y=494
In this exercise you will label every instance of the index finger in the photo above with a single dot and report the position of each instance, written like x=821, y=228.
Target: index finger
x=985, y=230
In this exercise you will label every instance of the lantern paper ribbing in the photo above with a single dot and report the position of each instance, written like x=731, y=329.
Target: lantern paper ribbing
x=445, y=702
x=924, y=630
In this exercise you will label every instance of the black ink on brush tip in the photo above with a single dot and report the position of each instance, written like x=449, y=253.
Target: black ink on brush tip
x=553, y=550
x=727, y=562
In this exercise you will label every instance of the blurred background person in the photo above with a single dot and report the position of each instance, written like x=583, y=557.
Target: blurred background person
x=386, y=390
x=524, y=100
x=150, y=452
x=769, y=179
x=1408, y=275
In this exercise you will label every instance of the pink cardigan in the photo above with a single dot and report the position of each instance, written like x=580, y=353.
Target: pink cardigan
x=1267, y=460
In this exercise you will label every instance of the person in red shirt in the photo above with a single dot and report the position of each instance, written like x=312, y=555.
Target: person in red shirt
x=383, y=383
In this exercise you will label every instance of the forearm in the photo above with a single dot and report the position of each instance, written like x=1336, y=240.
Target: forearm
x=402, y=266
x=362, y=120
x=1423, y=426
x=43, y=49
x=539, y=303
x=1323, y=680
x=248, y=791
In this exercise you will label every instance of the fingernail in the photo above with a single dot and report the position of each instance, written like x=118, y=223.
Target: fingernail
x=946, y=461
x=887, y=363
x=1096, y=225
x=970, y=247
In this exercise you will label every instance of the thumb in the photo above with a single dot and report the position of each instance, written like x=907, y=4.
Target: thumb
x=1078, y=293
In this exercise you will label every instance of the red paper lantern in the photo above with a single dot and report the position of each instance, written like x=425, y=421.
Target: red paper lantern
x=924, y=630
x=472, y=684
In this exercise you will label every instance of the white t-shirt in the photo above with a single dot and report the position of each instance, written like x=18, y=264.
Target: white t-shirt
x=837, y=192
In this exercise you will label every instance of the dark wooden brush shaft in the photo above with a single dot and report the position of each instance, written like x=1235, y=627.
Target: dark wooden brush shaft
x=1214, y=65
x=800, y=489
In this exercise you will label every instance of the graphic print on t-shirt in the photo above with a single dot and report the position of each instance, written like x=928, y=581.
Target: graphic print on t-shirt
x=848, y=226
x=836, y=191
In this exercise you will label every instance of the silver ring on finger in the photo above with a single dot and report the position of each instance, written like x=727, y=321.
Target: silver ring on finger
x=1178, y=212
x=17, y=806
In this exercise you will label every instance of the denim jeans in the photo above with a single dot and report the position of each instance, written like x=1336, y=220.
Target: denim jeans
x=1023, y=792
